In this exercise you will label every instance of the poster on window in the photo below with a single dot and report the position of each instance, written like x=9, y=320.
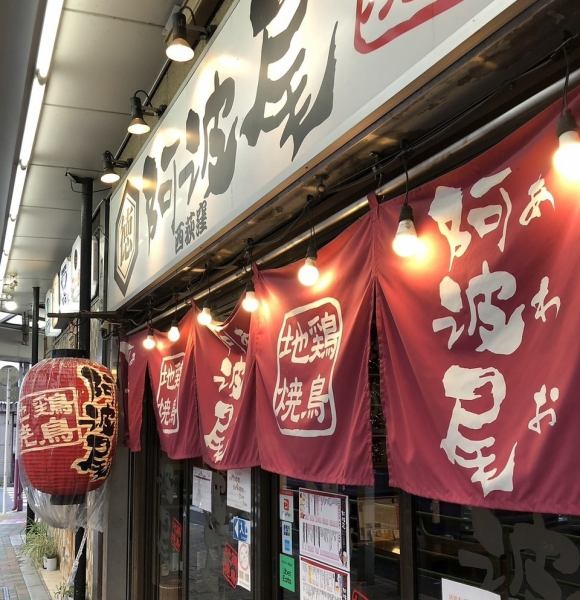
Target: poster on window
x=201, y=489
x=323, y=527
x=244, y=566
x=479, y=331
x=311, y=356
x=239, y=493
x=321, y=582
x=452, y=590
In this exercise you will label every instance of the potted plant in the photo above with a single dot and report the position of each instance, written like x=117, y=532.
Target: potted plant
x=63, y=591
x=40, y=547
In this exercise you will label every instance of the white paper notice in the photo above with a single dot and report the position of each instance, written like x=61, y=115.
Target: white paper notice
x=244, y=568
x=201, y=489
x=451, y=590
x=323, y=526
x=320, y=582
x=287, y=506
x=240, y=489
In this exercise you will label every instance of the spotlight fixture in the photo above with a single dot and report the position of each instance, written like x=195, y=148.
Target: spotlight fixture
x=308, y=273
x=10, y=304
x=205, y=317
x=178, y=47
x=149, y=341
x=250, y=303
x=173, y=334
x=109, y=174
x=138, y=125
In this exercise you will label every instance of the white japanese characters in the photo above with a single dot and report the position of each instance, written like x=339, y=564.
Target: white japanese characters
x=168, y=393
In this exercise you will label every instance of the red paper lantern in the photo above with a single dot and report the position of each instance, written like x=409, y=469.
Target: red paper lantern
x=68, y=425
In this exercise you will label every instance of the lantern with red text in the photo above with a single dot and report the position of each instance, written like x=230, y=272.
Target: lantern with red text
x=68, y=426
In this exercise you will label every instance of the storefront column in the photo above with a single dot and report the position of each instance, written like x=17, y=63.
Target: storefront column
x=408, y=550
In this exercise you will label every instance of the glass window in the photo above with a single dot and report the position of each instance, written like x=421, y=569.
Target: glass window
x=516, y=555
x=211, y=542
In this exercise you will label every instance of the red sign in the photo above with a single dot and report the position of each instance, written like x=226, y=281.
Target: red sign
x=176, y=534
x=479, y=333
x=311, y=351
x=358, y=596
x=230, y=566
x=380, y=22
x=225, y=393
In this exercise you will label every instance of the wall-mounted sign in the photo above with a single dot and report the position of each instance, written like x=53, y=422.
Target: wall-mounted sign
x=323, y=528
x=321, y=581
x=239, y=493
x=274, y=87
x=75, y=271
x=451, y=590
x=201, y=489
x=230, y=566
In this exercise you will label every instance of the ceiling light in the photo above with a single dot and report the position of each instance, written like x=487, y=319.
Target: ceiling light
x=10, y=304
x=50, y=24
x=109, y=174
x=567, y=157
x=308, y=274
x=405, y=240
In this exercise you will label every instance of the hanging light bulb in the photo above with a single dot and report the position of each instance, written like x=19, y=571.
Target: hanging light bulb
x=173, y=334
x=308, y=273
x=204, y=317
x=405, y=243
x=179, y=49
x=149, y=341
x=567, y=157
x=250, y=303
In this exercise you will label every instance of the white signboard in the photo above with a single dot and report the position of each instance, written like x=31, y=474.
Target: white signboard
x=321, y=582
x=323, y=528
x=244, y=568
x=203, y=168
x=451, y=590
x=201, y=492
x=240, y=489
x=287, y=505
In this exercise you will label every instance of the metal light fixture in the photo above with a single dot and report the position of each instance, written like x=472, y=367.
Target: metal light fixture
x=109, y=174
x=138, y=125
x=178, y=47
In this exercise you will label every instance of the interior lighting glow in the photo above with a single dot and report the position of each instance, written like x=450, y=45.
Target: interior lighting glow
x=149, y=341
x=10, y=305
x=250, y=303
x=405, y=241
x=566, y=159
x=173, y=334
x=179, y=49
x=50, y=24
x=204, y=317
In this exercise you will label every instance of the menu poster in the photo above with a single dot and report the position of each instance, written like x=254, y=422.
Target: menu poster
x=240, y=489
x=321, y=582
x=323, y=527
x=451, y=590
x=201, y=489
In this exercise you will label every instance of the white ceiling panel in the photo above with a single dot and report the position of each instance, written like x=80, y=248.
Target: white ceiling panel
x=33, y=270
x=32, y=248
x=76, y=138
x=48, y=222
x=93, y=73
x=49, y=187
x=156, y=11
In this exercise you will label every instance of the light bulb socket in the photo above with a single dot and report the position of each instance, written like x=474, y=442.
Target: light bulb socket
x=250, y=286
x=136, y=108
x=179, y=30
x=108, y=161
x=406, y=213
x=566, y=123
x=311, y=252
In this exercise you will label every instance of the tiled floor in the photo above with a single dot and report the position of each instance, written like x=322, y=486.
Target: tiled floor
x=17, y=575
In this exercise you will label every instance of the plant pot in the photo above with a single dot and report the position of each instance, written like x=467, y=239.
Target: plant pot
x=50, y=564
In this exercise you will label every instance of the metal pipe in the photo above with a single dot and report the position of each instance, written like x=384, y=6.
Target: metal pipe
x=30, y=517
x=85, y=270
x=6, y=426
x=392, y=187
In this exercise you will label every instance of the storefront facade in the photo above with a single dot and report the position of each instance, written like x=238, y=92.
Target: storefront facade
x=197, y=529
